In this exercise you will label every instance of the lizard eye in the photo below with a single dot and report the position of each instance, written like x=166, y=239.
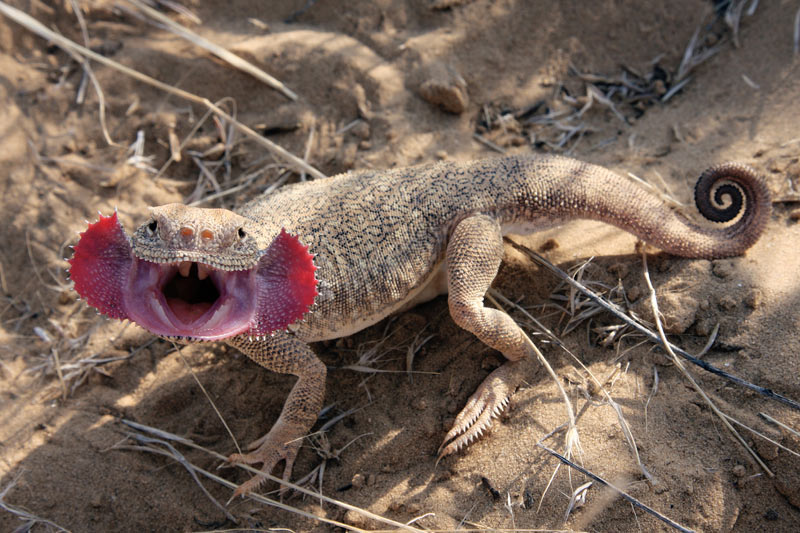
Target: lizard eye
x=242, y=233
x=152, y=226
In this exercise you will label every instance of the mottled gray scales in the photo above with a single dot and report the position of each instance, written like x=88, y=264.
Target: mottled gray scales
x=382, y=238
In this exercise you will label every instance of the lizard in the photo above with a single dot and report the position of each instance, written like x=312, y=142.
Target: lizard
x=323, y=259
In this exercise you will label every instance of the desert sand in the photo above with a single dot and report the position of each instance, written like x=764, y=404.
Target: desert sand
x=382, y=84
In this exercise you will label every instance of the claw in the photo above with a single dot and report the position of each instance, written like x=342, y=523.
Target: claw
x=281, y=444
x=486, y=403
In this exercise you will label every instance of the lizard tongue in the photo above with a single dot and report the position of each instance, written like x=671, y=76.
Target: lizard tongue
x=100, y=266
x=286, y=284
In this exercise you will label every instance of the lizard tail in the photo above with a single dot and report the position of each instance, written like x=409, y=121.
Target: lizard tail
x=730, y=193
x=723, y=193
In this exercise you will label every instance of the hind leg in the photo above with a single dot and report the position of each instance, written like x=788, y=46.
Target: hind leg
x=474, y=253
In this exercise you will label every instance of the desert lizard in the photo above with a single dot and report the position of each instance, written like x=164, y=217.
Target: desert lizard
x=376, y=243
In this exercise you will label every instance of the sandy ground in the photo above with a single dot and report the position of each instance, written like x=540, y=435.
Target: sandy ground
x=374, y=79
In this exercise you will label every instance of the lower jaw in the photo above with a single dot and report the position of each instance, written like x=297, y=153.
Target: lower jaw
x=160, y=318
x=187, y=313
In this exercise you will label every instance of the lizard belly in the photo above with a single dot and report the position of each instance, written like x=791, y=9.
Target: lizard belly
x=434, y=285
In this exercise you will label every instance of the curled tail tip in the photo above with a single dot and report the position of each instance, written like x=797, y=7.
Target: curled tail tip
x=727, y=190
x=737, y=192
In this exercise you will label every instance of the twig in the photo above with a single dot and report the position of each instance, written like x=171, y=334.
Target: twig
x=759, y=434
x=486, y=142
x=619, y=491
x=624, y=427
x=208, y=397
x=175, y=454
x=572, y=433
x=768, y=418
x=612, y=308
x=653, y=392
x=35, y=26
x=307, y=154
x=22, y=514
x=263, y=499
x=222, y=53
x=89, y=73
x=667, y=346
x=796, y=46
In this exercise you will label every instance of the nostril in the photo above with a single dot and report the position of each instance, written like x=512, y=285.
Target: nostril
x=207, y=234
x=186, y=232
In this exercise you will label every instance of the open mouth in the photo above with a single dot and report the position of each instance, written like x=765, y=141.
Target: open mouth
x=191, y=292
x=191, y=299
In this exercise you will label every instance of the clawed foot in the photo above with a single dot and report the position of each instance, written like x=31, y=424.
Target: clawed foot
x=281, y=444
x=487, y=402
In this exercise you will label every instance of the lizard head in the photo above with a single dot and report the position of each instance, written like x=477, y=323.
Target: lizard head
x=194, y=274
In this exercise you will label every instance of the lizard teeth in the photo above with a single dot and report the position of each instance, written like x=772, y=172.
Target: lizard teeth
x=184, y=268
x=202, y=271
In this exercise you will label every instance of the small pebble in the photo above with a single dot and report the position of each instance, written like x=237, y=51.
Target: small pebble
x=361, y=130
x=659, y=487
x=549, y=244
x=634, y=293
x=356, y=519
x=703, y=327
x=446, y=89
x=727, y=302
x=723, y=269
x=396, y=507
x=753, y=298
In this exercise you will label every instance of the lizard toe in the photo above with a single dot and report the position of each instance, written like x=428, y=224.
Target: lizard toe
x=280, y=444
x=486, y=402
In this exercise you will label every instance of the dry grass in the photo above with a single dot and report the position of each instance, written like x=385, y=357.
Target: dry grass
x=375, y=353
x=232, y=59
x=579, y=303
x=679, y=364
x=160, y=442
x=70, y=46
x=643, y=329
x=28, y=520
x=557, y=122
x=555, y=130
x=617, y=490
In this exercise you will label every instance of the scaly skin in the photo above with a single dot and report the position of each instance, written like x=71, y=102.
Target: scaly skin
x=387, y=240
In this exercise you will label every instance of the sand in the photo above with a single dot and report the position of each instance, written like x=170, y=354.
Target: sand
x=385, y=84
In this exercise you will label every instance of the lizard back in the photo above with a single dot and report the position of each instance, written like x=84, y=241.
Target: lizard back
x=380, y=236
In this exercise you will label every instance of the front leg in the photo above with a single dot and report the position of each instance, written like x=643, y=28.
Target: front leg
x=286, y=354
x=474, y=253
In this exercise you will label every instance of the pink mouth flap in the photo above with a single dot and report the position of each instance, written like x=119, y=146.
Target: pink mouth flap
x=100, y=266
x=287, y=284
